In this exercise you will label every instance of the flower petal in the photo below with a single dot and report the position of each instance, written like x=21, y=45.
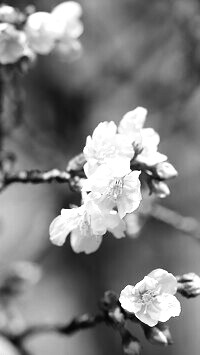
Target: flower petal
x=130, y=199
x=87, y=244
x=58, y=231
x=167, y=282
x=129, y=300
x=146, y=318
x=115, y=224
x=170, y=307
x=132, y=121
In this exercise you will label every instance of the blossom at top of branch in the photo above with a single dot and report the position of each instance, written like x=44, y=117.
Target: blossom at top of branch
x=145, y=139
x=87, y=225
x=152, y=300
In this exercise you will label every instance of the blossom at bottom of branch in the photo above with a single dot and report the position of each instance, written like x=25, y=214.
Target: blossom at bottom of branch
x=152, y=300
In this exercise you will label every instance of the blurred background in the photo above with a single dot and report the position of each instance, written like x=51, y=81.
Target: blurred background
x=135, y=53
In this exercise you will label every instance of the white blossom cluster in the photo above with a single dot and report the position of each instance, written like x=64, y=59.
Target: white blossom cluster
x=111, y=189
x=40, y=32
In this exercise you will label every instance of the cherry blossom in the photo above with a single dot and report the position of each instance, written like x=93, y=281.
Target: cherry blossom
x=117, y=184
x=88, y=224
x=105, y=144
x=57, y=30
x=145, y=139
x=152, y=300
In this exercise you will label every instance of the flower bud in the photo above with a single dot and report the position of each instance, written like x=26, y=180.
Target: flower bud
x=110, y=300
x=189, y=285
x=76, y=164
x=159, y=188
x=160, y=334
x=131, y=345
x=165, y=171
x=110, y=304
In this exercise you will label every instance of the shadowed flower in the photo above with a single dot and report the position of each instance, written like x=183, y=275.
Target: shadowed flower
x=152, y=300
x=88, y=224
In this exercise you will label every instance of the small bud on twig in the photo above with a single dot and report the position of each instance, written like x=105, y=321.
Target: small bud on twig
x=160, y=334
x=131, y=345
x=189, y=285
x=159, y=188
x=166, y=171
x=110, y=304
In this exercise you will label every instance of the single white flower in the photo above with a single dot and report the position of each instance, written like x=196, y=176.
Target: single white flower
x=117, y=184
x=145, y=139
x=152, y=300
x=13, y=44
x=42, y=33
x=87, y=225
x=105, y=144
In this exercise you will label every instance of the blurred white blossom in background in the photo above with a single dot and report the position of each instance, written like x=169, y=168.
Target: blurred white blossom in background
x=40, y=33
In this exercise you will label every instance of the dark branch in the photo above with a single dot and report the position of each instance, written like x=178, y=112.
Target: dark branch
x=37, y=177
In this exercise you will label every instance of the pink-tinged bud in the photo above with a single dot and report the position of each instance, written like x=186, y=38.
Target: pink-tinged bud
x=189, y=285
x=160, y=334
x=131, y=345
x=159, y=188
x=166, y=171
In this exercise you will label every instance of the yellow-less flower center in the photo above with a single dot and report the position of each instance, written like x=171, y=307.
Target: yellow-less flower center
x=84, y=224
x=148, y=296
x=116, y=188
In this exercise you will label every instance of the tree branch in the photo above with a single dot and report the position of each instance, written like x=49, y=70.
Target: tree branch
x=36, y=177
x=186, y=225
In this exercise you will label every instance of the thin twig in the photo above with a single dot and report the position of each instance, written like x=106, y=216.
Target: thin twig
x=187, y=225
x=85, y=321
x=36, y=177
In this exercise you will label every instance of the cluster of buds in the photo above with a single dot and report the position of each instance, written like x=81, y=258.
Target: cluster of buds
x=112, y=161
x=24, y=35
